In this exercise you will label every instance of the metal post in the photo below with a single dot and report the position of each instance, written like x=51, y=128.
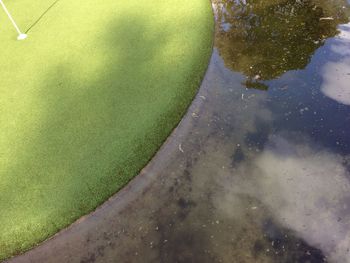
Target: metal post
x=21, y=36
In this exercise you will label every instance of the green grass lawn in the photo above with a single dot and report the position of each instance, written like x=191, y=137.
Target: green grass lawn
x=87, y=100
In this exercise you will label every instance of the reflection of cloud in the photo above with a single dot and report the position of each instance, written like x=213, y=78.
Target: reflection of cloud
x=336, y=82
x=336, y=75
x=341, y=46
x=307, y=191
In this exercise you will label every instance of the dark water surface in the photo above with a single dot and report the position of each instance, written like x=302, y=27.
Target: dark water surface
x=279, y=143
x=259, y=171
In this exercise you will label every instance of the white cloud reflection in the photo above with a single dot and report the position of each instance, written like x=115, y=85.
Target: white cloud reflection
x=336, y=75
x=308, y=191
x=305, y=190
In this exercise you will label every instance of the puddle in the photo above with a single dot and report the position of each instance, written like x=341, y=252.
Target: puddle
x=259, y=171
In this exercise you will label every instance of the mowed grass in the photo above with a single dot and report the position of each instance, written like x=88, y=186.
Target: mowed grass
x=86, y=101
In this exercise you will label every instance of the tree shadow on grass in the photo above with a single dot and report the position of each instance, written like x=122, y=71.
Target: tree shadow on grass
x=95, y=135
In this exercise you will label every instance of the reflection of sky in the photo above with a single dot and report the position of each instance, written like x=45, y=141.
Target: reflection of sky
x=283, y=159
x=291, y=147
x=336, y=73
x=311, y=196
x=314, y=100
x=306, y=190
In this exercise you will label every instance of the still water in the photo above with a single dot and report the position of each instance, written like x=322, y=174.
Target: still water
x=259, y=170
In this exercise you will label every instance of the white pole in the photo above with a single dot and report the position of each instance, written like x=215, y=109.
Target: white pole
x=21, y=36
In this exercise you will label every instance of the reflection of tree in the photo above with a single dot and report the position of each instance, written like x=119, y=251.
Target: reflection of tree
x=265, y=38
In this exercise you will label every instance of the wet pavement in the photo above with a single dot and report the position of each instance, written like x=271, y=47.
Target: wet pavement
x=259, y=168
